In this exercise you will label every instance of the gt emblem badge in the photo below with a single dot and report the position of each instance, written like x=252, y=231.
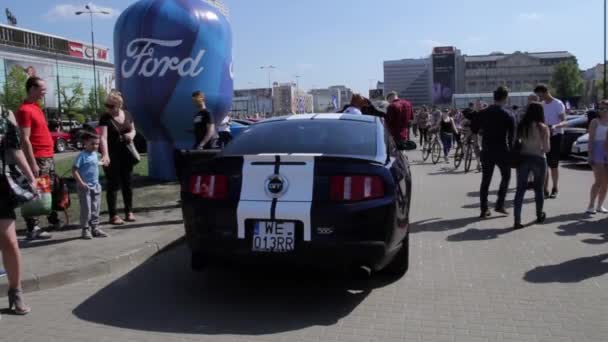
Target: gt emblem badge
x=276, y=186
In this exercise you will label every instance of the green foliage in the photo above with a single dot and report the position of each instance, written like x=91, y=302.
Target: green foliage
x=90, y=103
x=13, y=92
x=567, y=81
x=71, y=98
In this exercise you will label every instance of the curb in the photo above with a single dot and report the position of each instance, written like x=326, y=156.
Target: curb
x=34, y=282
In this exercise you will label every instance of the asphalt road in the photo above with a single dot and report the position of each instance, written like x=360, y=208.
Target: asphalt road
x=469, y=280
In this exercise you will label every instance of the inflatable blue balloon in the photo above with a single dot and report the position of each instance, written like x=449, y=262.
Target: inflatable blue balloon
x=164, y=51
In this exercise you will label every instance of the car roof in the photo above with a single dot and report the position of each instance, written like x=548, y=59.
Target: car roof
x=323, y=116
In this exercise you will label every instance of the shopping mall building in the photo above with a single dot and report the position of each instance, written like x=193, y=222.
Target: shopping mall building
x=61, y=62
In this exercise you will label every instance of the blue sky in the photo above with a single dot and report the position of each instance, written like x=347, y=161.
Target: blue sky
x=331, y=42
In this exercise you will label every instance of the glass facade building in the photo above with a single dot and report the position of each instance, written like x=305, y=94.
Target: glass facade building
x=62, y=63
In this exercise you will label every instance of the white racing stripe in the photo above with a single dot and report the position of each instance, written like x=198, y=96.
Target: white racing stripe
x=294, y=205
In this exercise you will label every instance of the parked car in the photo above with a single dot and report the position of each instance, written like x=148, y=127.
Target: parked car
x=577, y=127
x=275, y=195
x=236, y=128
x=581, y=145
x=61, y=141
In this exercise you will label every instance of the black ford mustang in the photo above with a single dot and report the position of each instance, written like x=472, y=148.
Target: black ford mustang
x=325, y=189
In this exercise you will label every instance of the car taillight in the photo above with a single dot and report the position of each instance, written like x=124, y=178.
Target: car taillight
x=356, y=188
x=209, y=186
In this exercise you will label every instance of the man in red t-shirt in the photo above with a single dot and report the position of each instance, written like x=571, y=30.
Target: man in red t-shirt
x=398, y=117
x=37, y=146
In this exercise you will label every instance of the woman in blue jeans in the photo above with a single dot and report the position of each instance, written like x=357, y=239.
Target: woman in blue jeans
x=534, y=135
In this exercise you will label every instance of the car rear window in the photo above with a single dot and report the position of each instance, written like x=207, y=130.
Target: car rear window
x=340, y=137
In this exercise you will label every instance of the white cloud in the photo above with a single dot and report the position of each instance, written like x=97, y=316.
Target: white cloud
x=532, y=16
x=67, y=12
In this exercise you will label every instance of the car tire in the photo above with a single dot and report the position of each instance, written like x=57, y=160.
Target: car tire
x=60, y=145
x=401, y=262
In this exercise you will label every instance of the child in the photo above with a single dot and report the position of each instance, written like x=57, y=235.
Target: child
x=86, y=173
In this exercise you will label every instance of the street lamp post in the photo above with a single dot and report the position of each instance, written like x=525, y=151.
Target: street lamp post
x=90, y=11
x=268, y=69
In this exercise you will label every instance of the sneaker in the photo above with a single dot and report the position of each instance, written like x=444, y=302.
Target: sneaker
x=554, y=194
x=98, y=233
x=518, y=226
x=502, y=211
x=540, y=219
x=86, y=234
x=591, y=211
x=602, y=210
x=38, y=234
x=485, y=214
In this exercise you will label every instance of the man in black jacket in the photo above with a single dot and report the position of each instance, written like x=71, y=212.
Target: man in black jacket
x=497, y=128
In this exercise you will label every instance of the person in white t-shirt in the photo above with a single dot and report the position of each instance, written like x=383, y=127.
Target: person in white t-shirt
x=555, y=114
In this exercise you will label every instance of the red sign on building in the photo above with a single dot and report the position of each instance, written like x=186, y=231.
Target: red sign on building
x=86, y=51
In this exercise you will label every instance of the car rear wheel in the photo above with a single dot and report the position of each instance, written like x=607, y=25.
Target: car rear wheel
x=60, y=145
x=401, y=262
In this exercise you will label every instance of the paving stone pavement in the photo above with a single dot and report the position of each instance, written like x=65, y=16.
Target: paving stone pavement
x=469, y=280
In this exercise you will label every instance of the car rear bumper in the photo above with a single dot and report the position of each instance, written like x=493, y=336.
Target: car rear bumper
x=359, y=233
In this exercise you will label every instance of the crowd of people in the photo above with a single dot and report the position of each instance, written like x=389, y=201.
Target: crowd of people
x=528, y=140
x=27, y=151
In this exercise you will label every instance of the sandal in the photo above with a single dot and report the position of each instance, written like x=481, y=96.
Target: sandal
x=15, y=303
x=130, y=218
x=116, y=221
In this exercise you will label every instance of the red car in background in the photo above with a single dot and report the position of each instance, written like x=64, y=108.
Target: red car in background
x=61, y=140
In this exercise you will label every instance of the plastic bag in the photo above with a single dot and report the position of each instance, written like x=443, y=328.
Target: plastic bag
x=43, y=204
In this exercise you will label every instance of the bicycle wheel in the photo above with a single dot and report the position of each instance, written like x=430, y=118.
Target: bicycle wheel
x=436, y=152
x=426, y=150
x=458, y=155
x=468, y=158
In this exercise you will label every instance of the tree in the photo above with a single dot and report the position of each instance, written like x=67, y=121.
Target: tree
x=567, y=81
x=71, y=98
x=90, y=105
x=14, y=92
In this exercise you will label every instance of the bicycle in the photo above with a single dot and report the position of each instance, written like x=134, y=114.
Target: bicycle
x=426, y=148
x=436, y=149
x=459, y=154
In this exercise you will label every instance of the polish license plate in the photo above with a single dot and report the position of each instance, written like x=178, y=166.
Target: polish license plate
x=273, y=237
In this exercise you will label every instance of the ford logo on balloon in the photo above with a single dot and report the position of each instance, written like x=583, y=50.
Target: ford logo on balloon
x=164, y=51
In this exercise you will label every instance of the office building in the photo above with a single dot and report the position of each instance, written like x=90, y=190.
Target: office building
x=249, y=102
x=410, y=78
x=519, y=71
x=61, y=62
x=325, y=100
x=287, y=99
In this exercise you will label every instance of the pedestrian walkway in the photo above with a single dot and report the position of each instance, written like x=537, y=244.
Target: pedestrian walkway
x=66, y=258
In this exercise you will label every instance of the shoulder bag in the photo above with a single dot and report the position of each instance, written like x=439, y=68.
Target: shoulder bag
x=130, y=146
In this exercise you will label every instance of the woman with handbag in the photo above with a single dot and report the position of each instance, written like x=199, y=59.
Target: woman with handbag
x=118, y=155
x=10, y=148
x=533, y=135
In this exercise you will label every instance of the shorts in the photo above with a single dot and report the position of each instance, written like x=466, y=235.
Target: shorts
x=600, y=154
x=6, y=207
x=555, y=152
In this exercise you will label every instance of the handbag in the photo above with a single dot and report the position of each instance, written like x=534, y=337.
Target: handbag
x=133, y=154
